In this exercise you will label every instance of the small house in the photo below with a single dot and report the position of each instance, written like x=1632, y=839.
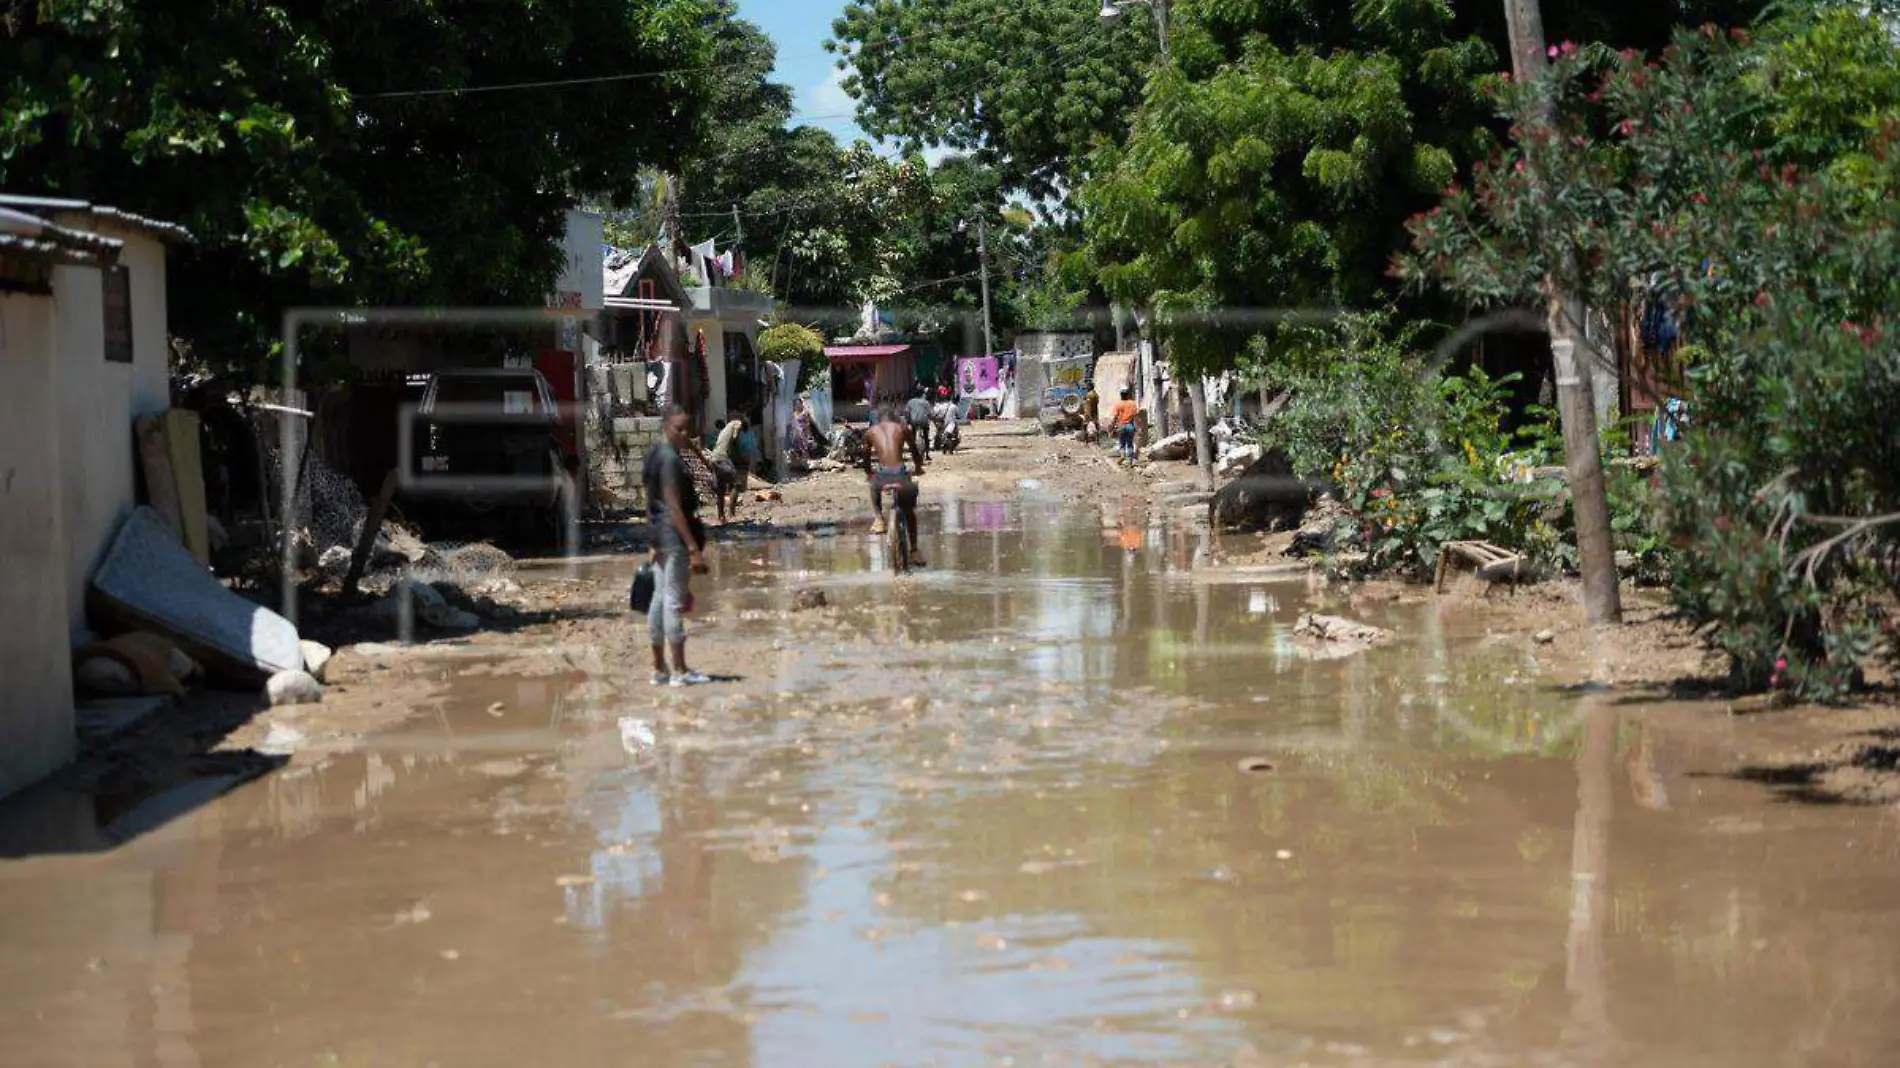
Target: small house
x=84, y=351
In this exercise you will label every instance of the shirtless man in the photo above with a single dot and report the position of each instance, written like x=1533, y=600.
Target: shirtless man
x=886, y=442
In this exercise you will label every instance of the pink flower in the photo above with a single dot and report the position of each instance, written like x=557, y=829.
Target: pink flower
x=1552, y=52
x=1518, y=166
x=1567, y=48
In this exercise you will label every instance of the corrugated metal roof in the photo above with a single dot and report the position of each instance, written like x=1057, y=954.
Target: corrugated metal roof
x=48, y=206
x=876, y=352
x=29, y=235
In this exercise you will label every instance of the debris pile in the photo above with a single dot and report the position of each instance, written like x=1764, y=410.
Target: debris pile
x=1318, y=637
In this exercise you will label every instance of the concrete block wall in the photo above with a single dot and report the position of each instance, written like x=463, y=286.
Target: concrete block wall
x=620, y=451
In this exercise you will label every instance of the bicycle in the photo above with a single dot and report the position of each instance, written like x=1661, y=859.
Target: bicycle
x=896, y=530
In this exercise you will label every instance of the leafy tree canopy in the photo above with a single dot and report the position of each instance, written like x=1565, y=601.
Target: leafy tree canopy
x=1027, y=89
x=1273, y=164
x=349, y=152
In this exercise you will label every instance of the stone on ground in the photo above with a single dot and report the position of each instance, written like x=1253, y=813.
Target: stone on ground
x=293, y=688
x=316, y=659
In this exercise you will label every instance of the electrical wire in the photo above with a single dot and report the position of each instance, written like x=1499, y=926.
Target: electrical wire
x=607, y=79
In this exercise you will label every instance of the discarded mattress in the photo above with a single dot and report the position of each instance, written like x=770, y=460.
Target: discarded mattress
x=150, y=581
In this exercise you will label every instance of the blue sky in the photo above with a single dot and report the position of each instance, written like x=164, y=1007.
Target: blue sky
x=799, y=28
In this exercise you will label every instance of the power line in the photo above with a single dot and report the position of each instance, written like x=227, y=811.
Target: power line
x=605, y=79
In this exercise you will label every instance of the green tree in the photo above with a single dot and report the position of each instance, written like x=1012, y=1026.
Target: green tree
x=1273, y=166
x=347, y=152
x=1033, y=89
x=1028, y=89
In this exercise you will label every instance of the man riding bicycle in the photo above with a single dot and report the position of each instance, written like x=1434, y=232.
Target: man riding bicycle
x=884, y=454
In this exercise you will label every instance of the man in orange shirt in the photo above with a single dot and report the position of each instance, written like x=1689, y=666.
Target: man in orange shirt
x=1122, y=418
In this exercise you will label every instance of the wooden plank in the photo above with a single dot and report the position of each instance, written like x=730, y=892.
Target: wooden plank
x=155, y=463
x=188, y=480
x=1491, y=563
x=366, y=541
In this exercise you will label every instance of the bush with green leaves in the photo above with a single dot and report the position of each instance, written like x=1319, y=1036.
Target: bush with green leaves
x=1415, y=456
x=795, y=341
x=1770, y=218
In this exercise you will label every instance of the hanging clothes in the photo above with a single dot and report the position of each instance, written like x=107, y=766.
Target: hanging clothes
x=1671, y=420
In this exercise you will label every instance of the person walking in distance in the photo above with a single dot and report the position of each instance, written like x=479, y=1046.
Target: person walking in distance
x=1122, y=418
x=917, y=413
x=679, y=542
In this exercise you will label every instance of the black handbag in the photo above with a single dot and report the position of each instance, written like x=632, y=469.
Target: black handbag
x=640, y=597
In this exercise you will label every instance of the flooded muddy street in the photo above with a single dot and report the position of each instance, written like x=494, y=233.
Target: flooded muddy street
x=1058, y=799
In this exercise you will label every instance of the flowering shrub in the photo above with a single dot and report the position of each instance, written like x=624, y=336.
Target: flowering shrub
x=1690, y=174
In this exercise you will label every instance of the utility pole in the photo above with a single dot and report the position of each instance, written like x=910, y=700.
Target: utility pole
x=983, y=257
x=1196, y=384
x=738, y=230
x=1571, y=357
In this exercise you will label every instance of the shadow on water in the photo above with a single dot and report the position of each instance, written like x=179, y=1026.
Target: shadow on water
x=1831, y=781
x=1052, y=800
x=128, y=784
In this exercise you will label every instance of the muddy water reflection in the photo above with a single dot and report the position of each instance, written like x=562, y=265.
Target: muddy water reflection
x=992, y=812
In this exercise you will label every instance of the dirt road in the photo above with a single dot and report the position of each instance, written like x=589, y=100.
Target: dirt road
x=1070, y=795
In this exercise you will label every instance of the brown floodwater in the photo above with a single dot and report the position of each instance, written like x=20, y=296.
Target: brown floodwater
x=1053, y=801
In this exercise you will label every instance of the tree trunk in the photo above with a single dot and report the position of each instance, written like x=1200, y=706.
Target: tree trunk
x=1572, y=357
x=1204, y=445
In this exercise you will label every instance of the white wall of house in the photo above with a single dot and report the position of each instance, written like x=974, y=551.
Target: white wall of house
x=98, y=400
x=718, y=311
x=581, y=285
x=36, y=700
x=715, y=414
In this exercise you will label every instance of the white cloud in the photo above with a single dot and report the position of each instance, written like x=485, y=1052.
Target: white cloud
x=828, y=97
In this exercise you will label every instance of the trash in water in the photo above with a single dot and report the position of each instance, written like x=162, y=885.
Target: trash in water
x=282, y=740
x=636, y=735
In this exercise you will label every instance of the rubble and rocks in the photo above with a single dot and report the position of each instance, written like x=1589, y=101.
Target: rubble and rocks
x=427, y=604
x=1172, y=448
x=1319, y=531
x=1238, y=460
x=334, y=562
x=807, y=599
x=316, y=659
x=1320, y=637
x=293, y=688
